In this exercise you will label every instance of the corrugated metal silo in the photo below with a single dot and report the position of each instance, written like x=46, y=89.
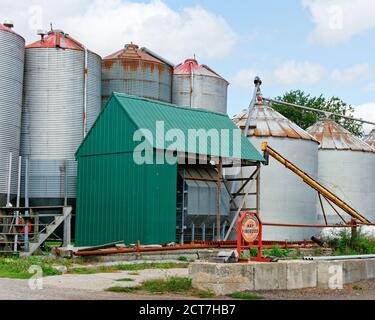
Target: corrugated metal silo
x=198, y=86
x=284, y=198
x=370, y=139
x=12, y=55
x=346, y=167
x=62, y=99
x=137, y=71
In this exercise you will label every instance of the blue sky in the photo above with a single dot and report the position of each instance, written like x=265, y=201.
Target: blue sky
x=319, y=46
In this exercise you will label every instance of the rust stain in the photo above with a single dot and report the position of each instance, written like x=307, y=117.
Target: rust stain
x=108, y=64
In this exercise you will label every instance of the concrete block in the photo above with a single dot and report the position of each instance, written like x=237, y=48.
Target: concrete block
x=354, y=270
x=270, y=276
x=370, y=268
x=330, y=275
x=222, y=278
x=301, y=274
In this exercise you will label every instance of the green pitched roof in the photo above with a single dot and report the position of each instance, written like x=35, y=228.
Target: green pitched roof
x=145, y=114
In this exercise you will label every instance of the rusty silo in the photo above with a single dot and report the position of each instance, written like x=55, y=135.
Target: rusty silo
x=198, y=86
x=62, y=98
x=137, y=71
x=12, y=55
x=346, y=167
x=284, y=198
x=370, y=139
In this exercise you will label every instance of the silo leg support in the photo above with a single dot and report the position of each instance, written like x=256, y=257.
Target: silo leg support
x=67, y=227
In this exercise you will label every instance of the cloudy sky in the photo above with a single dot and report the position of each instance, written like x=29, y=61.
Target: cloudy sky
x=320, y=46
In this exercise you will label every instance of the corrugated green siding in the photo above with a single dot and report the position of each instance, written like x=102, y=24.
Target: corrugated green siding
x=144, y=114
x=119, y=200
x=112, y=132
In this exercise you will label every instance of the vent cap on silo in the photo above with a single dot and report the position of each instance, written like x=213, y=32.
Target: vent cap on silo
x=267, y=122
x=191, y=66
x=370, y=139
x=8, y=26
x=56, y=39
x=134, y=52
x=332, y=136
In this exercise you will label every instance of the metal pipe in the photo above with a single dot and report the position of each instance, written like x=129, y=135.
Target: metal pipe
x=317, y=110
x=9, y=177
x=18, y=201
x=85, y=94
x=290, y=225
x=331, y=258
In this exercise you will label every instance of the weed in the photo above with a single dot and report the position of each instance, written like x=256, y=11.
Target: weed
x=357, y=288
x=245, y=296
x=125, y=280
x=123, y=289
x=203, y=294
x=129, y=267
x=182, y=258
x=276, y=251
x=17, y=268
x=344, y=244
x=169, y=285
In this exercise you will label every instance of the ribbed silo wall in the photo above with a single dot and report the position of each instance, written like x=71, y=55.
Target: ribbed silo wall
x=52, y=120
x=203, y=92
x=138, y=78
x=284, y=197
x=350, y=175
x=12, y=55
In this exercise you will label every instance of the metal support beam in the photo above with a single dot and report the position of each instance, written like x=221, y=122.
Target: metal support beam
x=67, y=227
x=288, y=104
x=218, y=199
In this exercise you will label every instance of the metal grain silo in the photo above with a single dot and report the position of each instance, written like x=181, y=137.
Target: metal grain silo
x=137, y=71
x=198, y=86
x=62, y=99
x=346, y=167
x=284, y=197
x=370, y=139
x=12, y=54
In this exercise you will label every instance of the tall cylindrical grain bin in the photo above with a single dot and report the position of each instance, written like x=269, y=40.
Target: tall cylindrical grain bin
x=370, y=139
x=12, y=55
x=347, y=168
x=198, y=86
x=284, y=197
x=62, y=99
x=137, y=71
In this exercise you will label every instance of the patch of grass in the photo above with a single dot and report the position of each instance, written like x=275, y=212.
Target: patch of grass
x=18, y=268
x=133, y=273
x=357, y=288
x=203, y=294
x=245, y=296
x=123, y=289
x=169, y=285
x=276, y=251
x=344, y=244
x=125, y=280
x=182, y=258
x=129, y=267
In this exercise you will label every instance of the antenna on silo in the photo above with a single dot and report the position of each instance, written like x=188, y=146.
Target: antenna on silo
x=51, y=26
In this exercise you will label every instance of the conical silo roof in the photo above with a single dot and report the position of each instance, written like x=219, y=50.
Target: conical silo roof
x=332, y=136
x=191, y=66
x=267, y=122
x=370, y=139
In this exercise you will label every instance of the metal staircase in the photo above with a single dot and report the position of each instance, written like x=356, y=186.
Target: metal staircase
x=21, y=232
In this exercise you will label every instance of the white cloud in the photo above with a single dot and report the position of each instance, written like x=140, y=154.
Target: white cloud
x=337, y=21
x=286, y=74
x=350, y=75
x=292, y=72
x=106, y=26
x=366, y=112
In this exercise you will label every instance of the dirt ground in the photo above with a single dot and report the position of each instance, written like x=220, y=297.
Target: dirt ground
x=92, y=286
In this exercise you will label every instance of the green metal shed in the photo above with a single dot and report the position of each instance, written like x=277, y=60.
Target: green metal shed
x=118, y=199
